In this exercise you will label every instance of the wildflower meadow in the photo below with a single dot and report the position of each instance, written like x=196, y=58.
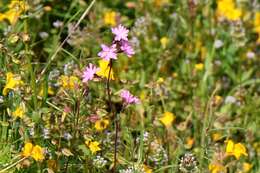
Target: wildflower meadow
x=129, y=86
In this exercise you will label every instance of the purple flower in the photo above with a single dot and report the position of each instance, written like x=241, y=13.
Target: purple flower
x=128, y=98
x=107, y=52
x=120, y=33
x=127, y=48
x=89, y=72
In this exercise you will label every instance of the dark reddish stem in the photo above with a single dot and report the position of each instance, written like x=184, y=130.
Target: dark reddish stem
x=114, y=114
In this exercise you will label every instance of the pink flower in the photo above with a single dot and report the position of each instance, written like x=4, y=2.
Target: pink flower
x=127, y=48
x=89, y=72
x=120, y=33
x=107, y=52
x=128, y=98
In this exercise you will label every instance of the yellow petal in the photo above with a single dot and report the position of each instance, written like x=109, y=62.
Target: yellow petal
x=27, y=150
x=147, y=169
x=199, y=66
x=101, y=124
x=94, y=147
x=110, y=18
x=167, y=119
x=216, y=136
x=11, y=83
x=19, y=112
x=164, y=41
x=230, y=147
x=239, y=149
x=247, y=167
x=38, y=153
x=104, y=70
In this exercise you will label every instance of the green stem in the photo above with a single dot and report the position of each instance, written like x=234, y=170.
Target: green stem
x=12, y=165
x=29, y=64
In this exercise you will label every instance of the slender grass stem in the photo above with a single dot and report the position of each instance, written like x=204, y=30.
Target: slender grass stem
x=12, y=165
x=205, y=126
x=30, y=68
x=66, y=39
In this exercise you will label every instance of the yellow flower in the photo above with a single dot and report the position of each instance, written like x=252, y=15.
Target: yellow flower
x=167, y=119
x=104, y=69
x=100, y=125
x=189, y=142
x=234, y=14
x=199, y=66
x=143, y=95
x=147, y=169
x=227, y=9
x=19, y=112
x=160, y=80
x=37, y=153
x=27, y=150
x=47, y=8
x=216, y=168
x=164, y=41
x=216, y=137
x=236, y=150
x=93, y=146
x=12, y=82
x=110, y=18
x=160, y=3
x=69, y=82
x=50, y=91
x=257, y=22
x=217, y=100
x=16, y=7
x=174, y=75
x=247, y=167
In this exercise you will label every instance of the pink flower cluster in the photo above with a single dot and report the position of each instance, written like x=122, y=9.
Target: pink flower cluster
x=120, y=44
x=128, y=98
x=89, y=72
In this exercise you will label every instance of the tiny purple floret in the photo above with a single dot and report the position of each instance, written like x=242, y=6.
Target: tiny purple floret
x=128, y=98
x=127, y=48
x=120, y=33
x=107, y=52
x=89, y=72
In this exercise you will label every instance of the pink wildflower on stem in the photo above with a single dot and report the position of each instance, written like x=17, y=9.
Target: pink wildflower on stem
x=107, y=52
x=120, y=33
x=127, y=48
x=128, y=98
x=89, y=72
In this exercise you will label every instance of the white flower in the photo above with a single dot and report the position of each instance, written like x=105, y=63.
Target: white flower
x=218, y=44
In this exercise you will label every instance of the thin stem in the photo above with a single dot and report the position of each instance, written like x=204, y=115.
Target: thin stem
x=113, y=112
x=116, y=138
x=205, y=126
x=30, y=68
x=108, y=84
x=12, y=165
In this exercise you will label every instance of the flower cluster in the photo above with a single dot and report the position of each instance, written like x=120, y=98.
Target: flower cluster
x=227, y=9
x=36, y=152
x=109, y=53
x=119, y=44
x=128, y=98
x=235, y=149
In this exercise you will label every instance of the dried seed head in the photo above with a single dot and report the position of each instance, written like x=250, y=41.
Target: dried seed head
x=188, y=163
